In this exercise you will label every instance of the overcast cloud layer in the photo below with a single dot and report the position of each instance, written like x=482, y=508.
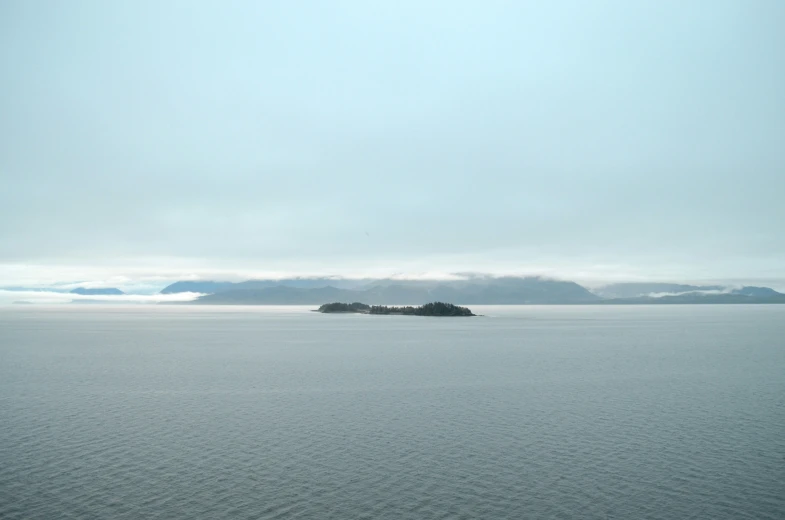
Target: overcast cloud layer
x=593, y=140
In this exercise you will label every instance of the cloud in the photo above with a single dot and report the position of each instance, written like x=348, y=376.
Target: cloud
x=43, y=297
x=726, y=290
x=124, y=138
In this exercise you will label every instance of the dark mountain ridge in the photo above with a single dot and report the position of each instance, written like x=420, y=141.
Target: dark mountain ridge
x=501, y=291
x=212, y=287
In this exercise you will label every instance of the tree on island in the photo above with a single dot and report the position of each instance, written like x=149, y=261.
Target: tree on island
x=429, y=309
x=345, y=307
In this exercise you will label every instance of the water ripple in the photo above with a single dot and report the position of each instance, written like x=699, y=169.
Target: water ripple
x=537, y=413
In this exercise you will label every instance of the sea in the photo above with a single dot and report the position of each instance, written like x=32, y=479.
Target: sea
x=563, y=412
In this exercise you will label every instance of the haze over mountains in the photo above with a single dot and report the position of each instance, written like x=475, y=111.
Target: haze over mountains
x=97, y=291
x=476, y=289
x=209, y=287
x=481, y=290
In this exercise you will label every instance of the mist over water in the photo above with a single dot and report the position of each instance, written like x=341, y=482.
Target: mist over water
x=276, y=412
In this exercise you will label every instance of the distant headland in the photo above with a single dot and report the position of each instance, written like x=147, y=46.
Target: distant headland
x=429, y=309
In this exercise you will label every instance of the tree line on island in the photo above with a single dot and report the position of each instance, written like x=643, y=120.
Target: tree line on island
x=429, y=309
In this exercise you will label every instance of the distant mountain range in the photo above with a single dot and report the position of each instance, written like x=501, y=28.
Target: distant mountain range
x=210, y=287
x=635, y=289
x=669, y=293
x=477, y=290
x=696, y=298
x=518, y=291
x=473, y=291
x=96, y=291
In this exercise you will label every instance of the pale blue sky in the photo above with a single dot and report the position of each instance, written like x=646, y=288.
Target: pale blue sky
x=594, y=139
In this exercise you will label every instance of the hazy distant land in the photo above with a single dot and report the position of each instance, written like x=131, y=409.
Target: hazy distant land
x=483, y=290
x=474, y=290
x=99, y=291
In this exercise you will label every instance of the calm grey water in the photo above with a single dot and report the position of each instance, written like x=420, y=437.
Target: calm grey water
x=530, y=412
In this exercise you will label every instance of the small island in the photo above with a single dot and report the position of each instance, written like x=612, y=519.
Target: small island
x=429, y=309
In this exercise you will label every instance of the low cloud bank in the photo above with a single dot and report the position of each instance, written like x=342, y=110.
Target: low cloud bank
x=727, y=290
x=47, y=297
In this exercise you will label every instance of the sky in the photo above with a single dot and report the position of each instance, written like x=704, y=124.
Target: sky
x=144, y=142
